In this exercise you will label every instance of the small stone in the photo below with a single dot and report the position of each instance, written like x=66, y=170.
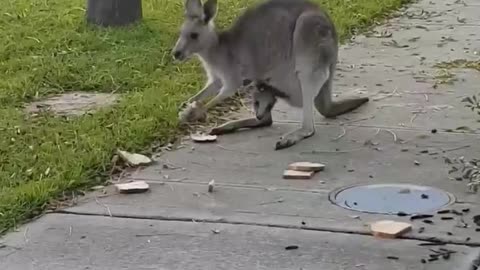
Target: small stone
x=476, y=220
x=416, y=162
x=434, y=131
x=211, y=185
x=424, y=196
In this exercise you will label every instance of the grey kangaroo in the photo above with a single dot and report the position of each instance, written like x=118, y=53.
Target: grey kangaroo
x=292, y=42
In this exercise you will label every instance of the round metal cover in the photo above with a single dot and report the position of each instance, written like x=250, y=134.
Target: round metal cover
x=391, y=198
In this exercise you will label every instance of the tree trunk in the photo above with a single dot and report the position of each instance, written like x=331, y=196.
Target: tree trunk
x=113, y=12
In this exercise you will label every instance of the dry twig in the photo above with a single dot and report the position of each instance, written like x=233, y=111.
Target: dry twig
x=344, y=132
x=104, y=205
x=393, y=134
x=387, y=95
x=235, y=150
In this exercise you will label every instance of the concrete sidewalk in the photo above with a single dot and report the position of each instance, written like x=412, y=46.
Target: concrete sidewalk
x=254, y=214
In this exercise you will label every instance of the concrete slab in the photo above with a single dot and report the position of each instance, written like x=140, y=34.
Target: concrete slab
x=293, y=209
x=58, y=242
x=250, y=187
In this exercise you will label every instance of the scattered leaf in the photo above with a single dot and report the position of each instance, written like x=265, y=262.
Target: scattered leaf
x=134, y=159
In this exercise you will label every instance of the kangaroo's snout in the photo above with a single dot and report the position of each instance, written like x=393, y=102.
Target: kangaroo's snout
x=178, y=55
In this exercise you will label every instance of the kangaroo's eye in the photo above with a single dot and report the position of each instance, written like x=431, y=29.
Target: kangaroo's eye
x=193, y=35
x=256, y=104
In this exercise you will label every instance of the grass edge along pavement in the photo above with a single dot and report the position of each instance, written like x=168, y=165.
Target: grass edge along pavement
x=45, y=158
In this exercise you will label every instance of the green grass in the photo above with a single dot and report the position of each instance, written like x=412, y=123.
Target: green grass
x=46, y=48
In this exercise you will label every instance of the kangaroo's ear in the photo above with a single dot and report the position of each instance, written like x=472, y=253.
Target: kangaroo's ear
x=209, y=10
x=193, y=8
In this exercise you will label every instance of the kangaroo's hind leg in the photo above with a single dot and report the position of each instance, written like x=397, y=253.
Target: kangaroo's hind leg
x=329, y=108
x=314, y=49
x=235, y=125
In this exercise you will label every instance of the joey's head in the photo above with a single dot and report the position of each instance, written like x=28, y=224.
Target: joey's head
x=263, y=98
x=197, y=33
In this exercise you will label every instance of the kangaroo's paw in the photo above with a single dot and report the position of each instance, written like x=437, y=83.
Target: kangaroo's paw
x=192, y=112
x=293, y=137
x=223, y=129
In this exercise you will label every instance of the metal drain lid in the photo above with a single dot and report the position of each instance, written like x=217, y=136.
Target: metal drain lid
x=391, y=198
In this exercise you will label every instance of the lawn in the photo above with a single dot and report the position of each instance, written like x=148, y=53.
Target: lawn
x=46, y=48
